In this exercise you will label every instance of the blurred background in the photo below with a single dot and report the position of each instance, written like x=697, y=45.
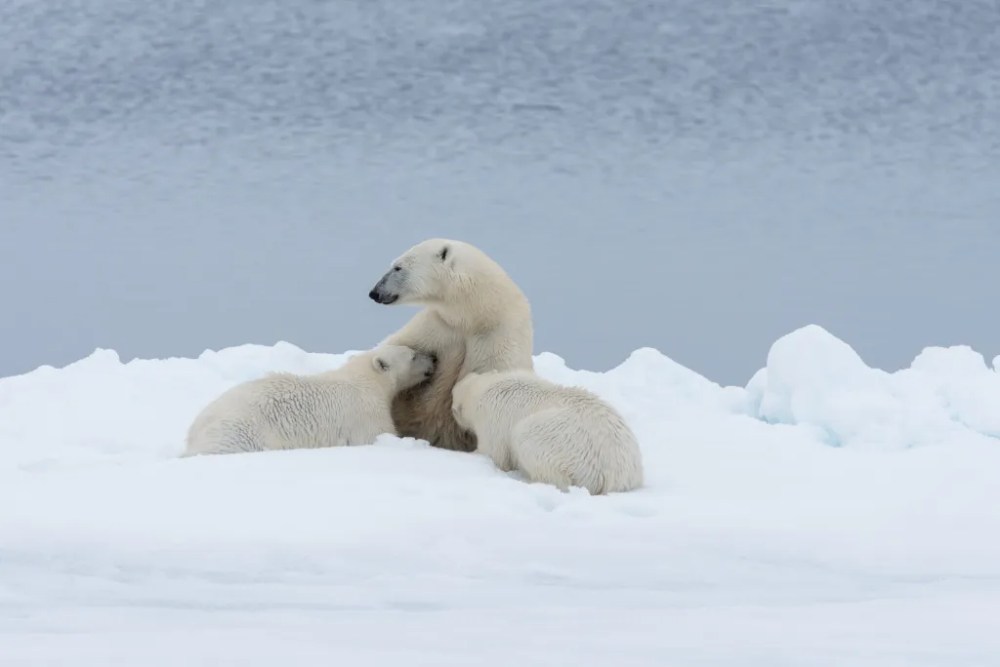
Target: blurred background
x=698, y=176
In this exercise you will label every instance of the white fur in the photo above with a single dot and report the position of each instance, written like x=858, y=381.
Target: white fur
x=346, y=406
x=565, y=436
x=475, y=318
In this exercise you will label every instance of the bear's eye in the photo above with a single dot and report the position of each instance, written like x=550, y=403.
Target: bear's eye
x=443, y=254
x=397, y=268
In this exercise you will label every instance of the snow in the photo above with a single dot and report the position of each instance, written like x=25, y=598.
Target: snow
x=828, y=513
x=814, y=378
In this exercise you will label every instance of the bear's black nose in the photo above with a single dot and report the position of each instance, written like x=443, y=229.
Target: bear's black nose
x=373, y=295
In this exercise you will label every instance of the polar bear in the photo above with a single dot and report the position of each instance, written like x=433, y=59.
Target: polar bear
x=349, y=405
x=475, y=318
x=554, y=434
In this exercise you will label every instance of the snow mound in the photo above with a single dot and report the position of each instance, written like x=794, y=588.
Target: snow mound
x=750, y=525
x=814, y=379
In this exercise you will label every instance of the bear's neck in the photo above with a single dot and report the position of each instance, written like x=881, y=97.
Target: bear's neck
x=475, y=312
x=469, y=323
x=481, y=303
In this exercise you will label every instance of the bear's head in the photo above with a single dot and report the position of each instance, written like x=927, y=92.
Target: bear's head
x=465, y=397
x=404, y=366
x=433, y=272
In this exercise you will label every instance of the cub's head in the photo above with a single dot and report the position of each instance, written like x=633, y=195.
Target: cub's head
x=428, y=273
x=403, y=365
x=465, y=397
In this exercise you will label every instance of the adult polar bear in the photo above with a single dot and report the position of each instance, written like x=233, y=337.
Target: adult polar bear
x=475, y=319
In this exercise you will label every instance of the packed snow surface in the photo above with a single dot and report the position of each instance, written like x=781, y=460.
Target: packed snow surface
x=827, y=514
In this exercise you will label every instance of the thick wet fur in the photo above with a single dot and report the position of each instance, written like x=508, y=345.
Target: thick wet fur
x=474, y=318
x=417, y=412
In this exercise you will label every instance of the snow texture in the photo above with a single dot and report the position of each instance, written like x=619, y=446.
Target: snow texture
x=827, y=514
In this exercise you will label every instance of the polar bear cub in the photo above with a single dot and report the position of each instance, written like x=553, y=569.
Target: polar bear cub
x=350, y=405
x=554, y=434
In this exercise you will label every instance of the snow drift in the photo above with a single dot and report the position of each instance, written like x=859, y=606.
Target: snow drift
x=827, y=512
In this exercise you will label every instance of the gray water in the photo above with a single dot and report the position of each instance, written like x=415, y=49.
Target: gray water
x=699, y=176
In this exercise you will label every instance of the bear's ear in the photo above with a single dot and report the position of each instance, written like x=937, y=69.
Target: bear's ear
x=380, y=364
x=443, y=255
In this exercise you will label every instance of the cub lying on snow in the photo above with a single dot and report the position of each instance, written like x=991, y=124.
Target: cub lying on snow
x=350, y=405
x=566, y=436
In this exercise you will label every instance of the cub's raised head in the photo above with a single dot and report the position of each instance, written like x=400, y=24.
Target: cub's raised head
x=432, y=272
x=405, y=366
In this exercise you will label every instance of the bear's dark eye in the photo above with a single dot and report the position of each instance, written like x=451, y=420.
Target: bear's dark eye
x=444, y=253
x=397, y=268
